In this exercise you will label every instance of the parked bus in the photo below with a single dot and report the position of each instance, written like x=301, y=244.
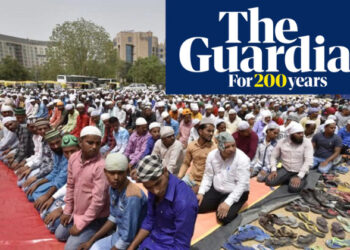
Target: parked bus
x=70, y=80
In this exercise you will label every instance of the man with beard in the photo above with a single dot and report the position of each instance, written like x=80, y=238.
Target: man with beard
x=72, y=119
x=44, y=188
x=327, y=147
x=232, y=121
x=296, y=155
x=196, y=155
x=82, y=120
x=128, y=207
x=225, y=184
x=185, y=127
x=172, y=209
x=87, y=192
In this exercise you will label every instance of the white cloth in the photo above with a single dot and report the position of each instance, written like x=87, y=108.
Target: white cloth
x=193, y=135
x=228, y=176
x=232, y=126
x=120, y=114
x=35, y=159
x=172, y=157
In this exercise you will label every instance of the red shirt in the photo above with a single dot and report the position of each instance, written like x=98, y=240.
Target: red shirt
x=247, y=144
x=82, y=121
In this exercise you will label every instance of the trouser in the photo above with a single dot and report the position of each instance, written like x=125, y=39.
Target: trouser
x=325, y=169
x=106, y=242
x=345, y=150
x=284, y=177
x=212, y=199
x=59, y=202
x=20, y=182
x=73, y=242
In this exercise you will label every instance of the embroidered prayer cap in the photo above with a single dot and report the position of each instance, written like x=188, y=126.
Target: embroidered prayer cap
x=59, y=103
x=154, y=125
x=69, y=107
x=140, y=121
x=166, y=131
x=105, y=116
x=208, y=106
x=195, y=121
x=222, y=138
x=186, y=111
x=51, y=135
x=116, y=162
x=149, y=168
x=207, y=121
x=8, y=119
x=80, y=105
x=243, y=125
x=272, y=125
x=329, y=121
x=173, y=107
x=20, y=111
x=296, y=128
x=221, y=109
x=69, y=141
x=90, y=130
x=293, y=117
x=218, y=121
x=165, y=114
x=249, y=116
x=5, y=108
x=95, y=113
x=232, y=111
x=41, y=122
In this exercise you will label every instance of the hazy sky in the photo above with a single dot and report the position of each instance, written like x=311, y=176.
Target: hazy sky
x=35, y=19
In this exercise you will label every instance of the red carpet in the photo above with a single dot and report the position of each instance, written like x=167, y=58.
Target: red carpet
x=20, y=225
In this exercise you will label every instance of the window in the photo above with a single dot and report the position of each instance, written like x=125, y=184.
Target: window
x=129, y=53
x=129, y=39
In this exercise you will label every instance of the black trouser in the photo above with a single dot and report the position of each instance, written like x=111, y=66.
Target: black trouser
x=283, y=177
x=345, y=150
x=212, y=200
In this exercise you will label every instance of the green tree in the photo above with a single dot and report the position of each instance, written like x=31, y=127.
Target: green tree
x=81, y=48
x=122, y=69
x=11, y=69
x=148, y=70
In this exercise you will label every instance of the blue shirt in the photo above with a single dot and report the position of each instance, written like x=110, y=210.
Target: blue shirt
x=149, y=147
x=345, y=136
x=174, y=124
x=43, y=112
x=58, y=176
x=121, y=139
x=127, y=213
x=171, y=221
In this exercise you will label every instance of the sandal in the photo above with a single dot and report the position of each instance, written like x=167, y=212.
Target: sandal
x=278, y=242
x=267, y=224
x=304, y=241
x=322, y=225
x=336, y=243
x=284, y=232
x=338, y=230
x=311, y=229
x=304, y=217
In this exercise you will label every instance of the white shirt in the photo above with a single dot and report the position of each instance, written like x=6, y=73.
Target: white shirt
x=232, y=126
x=120, y=114
x=172, y=156
x=228, y=176
x=35, y=159
x=193, y=135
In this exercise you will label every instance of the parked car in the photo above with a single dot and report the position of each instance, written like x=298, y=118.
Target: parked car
x=136, y=86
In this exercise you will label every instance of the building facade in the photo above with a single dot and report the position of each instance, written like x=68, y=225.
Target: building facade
x=133, y=45
x=29, y=53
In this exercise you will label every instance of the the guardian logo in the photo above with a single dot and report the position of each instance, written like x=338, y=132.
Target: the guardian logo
x=288, y=52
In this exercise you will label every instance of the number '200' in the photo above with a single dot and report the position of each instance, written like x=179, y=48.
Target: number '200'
x=270, y=80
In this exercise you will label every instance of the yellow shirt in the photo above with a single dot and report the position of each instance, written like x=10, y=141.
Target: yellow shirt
x=197, y=155
x=197, y=116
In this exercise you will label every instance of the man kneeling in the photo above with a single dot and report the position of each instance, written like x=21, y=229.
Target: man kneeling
x=296, y=154
x=128, y=207
x=225, y=184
